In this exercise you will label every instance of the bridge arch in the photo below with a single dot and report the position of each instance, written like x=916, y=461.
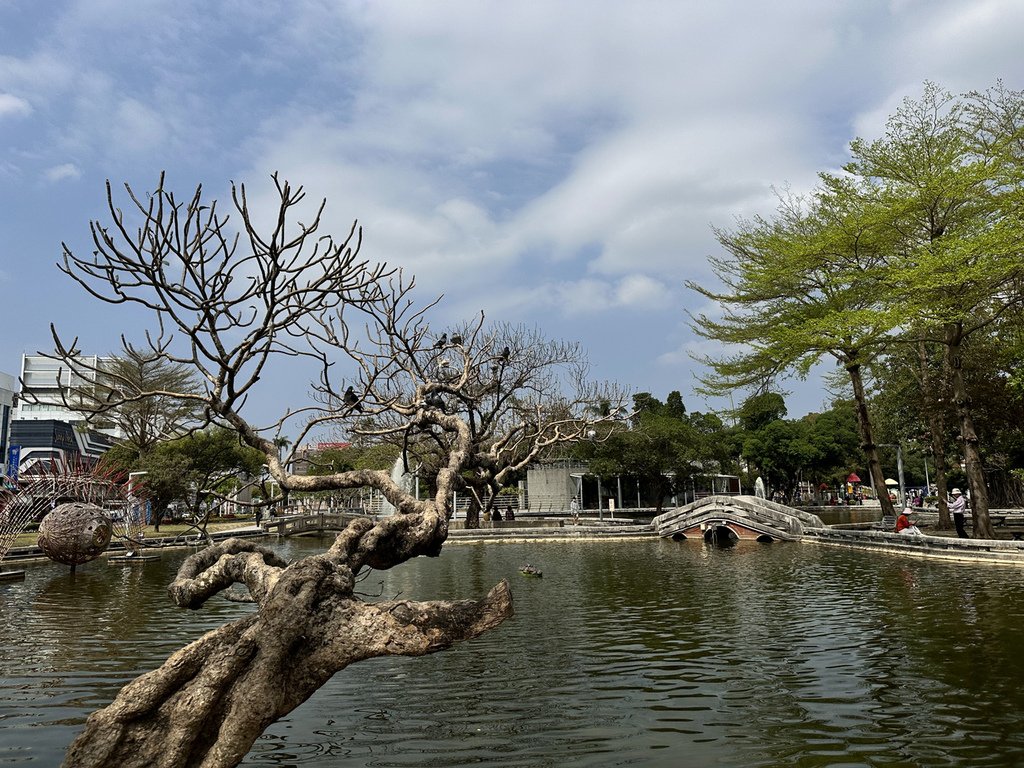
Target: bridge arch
x=729, y=519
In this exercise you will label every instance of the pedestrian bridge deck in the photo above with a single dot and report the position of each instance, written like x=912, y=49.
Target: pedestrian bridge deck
x=736, y=518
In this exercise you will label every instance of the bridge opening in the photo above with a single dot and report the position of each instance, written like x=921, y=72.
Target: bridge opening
x=720, y=536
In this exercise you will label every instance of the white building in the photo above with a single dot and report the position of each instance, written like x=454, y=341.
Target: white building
x=46, y=428
x=8, y=390
x=44, y=380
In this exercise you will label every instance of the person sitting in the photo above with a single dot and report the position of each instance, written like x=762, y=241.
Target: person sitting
x=903, y=524
x=903, y=521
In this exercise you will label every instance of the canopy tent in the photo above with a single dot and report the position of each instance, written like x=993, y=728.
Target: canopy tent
x=853, y=478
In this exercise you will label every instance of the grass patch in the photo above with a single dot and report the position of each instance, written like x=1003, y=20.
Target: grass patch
x=167, y=530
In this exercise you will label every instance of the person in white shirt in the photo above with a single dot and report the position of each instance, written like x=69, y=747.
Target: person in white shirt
x=957, y=505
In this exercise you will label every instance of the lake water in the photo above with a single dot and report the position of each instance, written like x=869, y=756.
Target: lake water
x=638, y=653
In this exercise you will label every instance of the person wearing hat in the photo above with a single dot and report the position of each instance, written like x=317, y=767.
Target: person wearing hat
x=903, y=524
x=956, y=508
x=903, y=521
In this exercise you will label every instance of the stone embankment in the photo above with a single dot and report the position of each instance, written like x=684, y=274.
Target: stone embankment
x=553, y=529
x=938, y=547
x=870, y=536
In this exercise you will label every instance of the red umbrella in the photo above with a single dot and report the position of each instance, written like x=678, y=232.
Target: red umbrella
x=853, y=478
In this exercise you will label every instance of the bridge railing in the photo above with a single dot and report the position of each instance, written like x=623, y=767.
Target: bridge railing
x=320, y=521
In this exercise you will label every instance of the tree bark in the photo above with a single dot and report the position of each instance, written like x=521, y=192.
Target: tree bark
x=937, y=430
x=212, y=699
x=941, y=484
x=968, y=435
x=867, y=440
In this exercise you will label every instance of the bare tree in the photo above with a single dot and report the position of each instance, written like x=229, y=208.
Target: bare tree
x=226, y=304
x=518, y=394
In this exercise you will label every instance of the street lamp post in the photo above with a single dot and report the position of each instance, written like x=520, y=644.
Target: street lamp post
x=899, y=469
x=592, y=435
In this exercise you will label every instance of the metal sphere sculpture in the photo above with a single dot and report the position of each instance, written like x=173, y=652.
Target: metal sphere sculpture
x=75, y=532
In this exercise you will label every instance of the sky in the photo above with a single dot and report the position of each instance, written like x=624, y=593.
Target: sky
x=559, y=164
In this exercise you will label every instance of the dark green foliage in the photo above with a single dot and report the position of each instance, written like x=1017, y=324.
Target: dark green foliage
x=818, y=448
x=192, y=468
x=665, y=448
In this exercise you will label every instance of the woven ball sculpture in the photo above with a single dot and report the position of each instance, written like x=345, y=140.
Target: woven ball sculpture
x=74, y=533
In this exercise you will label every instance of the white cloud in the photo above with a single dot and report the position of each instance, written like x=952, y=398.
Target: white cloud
x=62, y=172
x=13, y=106
x=641, y=292
x=691, y=349
x=550, y=161
x=137, y=127
x=637, y=293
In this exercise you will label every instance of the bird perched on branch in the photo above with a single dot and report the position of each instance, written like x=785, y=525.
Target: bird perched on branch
x=439, y=344
x=351, y=400
x=434, y=400
x=505, y=353
x=456, y=339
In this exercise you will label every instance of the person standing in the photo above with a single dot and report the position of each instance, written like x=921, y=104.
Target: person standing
x=956, y=508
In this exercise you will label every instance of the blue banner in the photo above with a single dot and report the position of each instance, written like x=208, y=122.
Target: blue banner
x=13, y=460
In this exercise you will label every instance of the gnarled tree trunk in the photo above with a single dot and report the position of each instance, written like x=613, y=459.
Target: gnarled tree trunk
x=212, y=699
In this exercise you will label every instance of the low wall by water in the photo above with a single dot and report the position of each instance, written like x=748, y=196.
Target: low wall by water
x=935, y=547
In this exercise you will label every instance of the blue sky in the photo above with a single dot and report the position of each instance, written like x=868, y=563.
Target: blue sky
x=553, y=163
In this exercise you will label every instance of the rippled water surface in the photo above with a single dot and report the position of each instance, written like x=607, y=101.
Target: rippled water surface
x=640, y=653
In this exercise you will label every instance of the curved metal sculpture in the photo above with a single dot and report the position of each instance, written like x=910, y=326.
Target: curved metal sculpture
x=11, y=524
x=14, y=518
x=39, y=493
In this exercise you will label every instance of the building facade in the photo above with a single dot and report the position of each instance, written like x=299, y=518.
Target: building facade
x=45, y=427
x=8, y=396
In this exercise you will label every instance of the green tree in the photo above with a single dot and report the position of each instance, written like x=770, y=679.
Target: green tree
x=758, y=411
x=835, y=442
x=189, y=468
x=949, y=195
x=807, y=284
x=665, y=449
x=781, y=450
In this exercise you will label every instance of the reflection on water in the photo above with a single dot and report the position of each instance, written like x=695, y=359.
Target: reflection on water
x=648, y=653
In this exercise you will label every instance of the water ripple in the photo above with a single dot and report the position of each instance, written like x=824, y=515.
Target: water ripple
x=625, y=654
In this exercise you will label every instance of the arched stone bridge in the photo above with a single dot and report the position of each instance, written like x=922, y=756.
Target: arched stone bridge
x=296, y=525
x=727, y=519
